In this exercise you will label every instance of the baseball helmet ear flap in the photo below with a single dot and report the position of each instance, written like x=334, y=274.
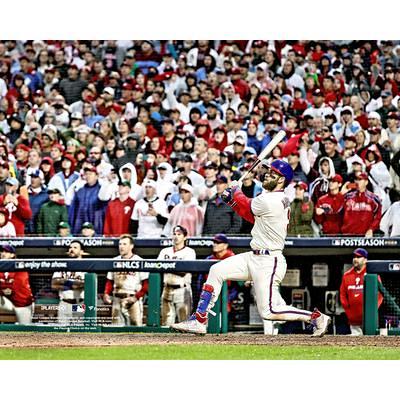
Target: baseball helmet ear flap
x=284, y=169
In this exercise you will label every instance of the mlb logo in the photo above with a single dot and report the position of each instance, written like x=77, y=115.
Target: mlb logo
x=20, y=265
x=78, y=307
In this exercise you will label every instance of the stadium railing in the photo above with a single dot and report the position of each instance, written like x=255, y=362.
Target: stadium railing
x=382, y=276
x=218, y=323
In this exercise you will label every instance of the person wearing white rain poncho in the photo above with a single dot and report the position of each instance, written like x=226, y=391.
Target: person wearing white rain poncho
x=164, y=182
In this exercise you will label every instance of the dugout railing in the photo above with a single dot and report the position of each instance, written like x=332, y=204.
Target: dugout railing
x=301, y=253
x=382, y=276
x=218, y=322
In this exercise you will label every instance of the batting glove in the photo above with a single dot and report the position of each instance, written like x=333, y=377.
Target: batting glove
x=227, y=195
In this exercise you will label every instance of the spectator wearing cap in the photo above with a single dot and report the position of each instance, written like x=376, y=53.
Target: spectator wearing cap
x=52, y=214
x=375, y=124
x=88, y=230
x=187, y=213
x=119, y=211
x=17, y=205
x=86, y=206
x=150, y=213
x=210, y=174
x=49, y=135
x=37, y=197
x=393, y=131
x=347, y=126
x=64, y=179
x=387, y=107
x=181, y=102
x=105, y=101
x=218, y=216
x=203, y=130
x=213, y=115
x=47, y=167
x=301, y=212
x=64, y=230
x=238, y=146
x=15, y=290
x=187, y=170
x=330, y=145
x=21, y=156
x=362, y=210
x=40, y=107
x=72, y=86
x=352, y=291
x=375, y=139
x=7, y=228
x=219, y=139
x=328, y=211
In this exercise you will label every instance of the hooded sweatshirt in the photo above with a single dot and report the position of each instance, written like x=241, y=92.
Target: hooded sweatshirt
x=320, y=186
x=109, y=190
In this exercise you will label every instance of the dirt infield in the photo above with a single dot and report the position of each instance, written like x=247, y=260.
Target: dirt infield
x=60, y=340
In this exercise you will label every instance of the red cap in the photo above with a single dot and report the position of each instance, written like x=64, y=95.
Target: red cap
x=331, y=138
x=39, y=93
x=58, y=146
x=138, y=88
x=126, y=86
x=302, y=184
x=91, y=168
x=23, y=147
x=362, y=175
x=235, y=71
x=337, y=178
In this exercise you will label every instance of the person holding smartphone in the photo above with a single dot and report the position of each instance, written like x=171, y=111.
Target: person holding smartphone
x=328, y=211
x=17, y=205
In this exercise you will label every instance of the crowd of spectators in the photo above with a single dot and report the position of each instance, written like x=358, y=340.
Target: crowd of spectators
x=137, y=136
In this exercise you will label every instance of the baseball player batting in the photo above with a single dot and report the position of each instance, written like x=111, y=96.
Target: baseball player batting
x=265, y=264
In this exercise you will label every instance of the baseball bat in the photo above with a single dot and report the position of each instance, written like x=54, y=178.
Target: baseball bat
x=268, y=148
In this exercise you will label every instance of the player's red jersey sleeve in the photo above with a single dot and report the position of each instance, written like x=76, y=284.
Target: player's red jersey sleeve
x=241, y=204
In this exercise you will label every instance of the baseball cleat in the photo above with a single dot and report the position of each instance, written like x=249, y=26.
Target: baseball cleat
x=320, y=322
x=190, y=326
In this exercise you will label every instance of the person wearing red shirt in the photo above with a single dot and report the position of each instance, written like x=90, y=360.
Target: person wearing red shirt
x=119, y=211
x=329, y=208
x=351, y=291
x=15, y=290
x=17, y=205
x=362, y=210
